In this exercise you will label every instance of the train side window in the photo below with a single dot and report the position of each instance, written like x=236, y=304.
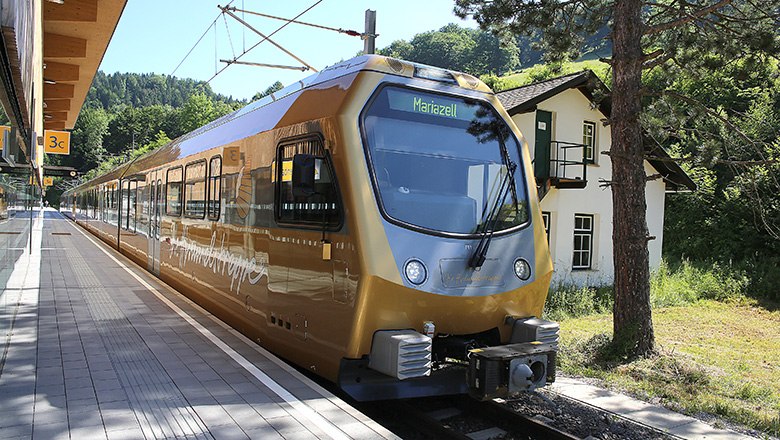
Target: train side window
x=317, y=210
x=173, y=192
x=215, y=187
x=195, y=189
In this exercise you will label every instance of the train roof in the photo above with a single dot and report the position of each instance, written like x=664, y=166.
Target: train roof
x=375, y=63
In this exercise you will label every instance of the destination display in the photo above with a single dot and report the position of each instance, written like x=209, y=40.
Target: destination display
x=429, y=104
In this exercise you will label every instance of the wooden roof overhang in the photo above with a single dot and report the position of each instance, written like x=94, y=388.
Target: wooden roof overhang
x=76, y=34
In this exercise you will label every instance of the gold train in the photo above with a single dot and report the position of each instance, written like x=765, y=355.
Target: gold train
x=376, y=223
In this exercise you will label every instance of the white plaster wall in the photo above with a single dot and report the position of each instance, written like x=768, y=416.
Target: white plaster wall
x=570, y=108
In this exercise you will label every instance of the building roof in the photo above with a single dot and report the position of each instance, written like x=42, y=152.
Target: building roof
x=524, y=99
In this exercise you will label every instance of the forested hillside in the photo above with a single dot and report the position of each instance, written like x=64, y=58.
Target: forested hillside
x=145, y=89
x=481, y=53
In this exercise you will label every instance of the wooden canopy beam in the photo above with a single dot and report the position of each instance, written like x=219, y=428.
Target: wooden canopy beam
x=54, y=125
x=57, y=91
x=71, y=10
x=56, y=105
x=55, y=116
x=60, y=71
x=61, y=46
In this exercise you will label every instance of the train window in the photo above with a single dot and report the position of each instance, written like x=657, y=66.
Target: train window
x=318, y=210
x=215, y=189
x=440, y=162
x=195, y=190
x=583, y=241
x=173, y=192
x=126, y=204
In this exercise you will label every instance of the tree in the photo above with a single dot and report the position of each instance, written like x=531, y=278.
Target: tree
x=645, y=35
x=275, y=87
x=196, y=112
x=454, y=47
x=87, y=139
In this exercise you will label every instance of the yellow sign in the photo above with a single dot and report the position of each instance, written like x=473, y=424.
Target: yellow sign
x=48, y=181
x=287, y=167
x=232, y=157
x=56, y=142
x=287, y=170
x=4, y=131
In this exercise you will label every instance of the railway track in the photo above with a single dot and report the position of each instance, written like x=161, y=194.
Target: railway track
x=532, y=416
x=460, y=417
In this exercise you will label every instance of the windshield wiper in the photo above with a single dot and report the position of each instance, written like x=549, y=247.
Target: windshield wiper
x=507, y=161
x=488, y=227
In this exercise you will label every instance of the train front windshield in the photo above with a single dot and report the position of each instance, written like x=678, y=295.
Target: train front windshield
x=439, y=162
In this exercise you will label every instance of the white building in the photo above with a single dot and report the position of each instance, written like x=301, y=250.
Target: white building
x=562, y=121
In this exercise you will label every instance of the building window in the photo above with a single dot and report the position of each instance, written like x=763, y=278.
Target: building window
x=589, y=140
x=321, y=209
x=546, y=221
x=173, y=192
x=195, y=190
x=583, y=241
x=215, y=194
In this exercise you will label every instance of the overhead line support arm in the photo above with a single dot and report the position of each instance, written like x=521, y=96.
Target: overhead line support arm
x=227, y=10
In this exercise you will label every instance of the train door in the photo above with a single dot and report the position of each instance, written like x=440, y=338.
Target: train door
x=155, y=216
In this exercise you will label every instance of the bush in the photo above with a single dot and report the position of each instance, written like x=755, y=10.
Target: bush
x=688, y=282
x=571, y=301
x=673, y=284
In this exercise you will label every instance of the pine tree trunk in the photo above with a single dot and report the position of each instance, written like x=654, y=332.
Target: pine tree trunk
x=633, y=325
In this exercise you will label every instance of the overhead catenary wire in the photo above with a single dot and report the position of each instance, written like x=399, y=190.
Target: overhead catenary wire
x=230, y=38
x=213, y=23
x=265, y=38
x=349, y=32
x=275, y=66
x=268, y=38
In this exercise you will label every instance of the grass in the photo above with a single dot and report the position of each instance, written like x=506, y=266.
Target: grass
x=719, y=351
x=541, y=72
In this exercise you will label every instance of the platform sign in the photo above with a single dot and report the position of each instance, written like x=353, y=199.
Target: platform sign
x=56, y=142
x=4, y=131
x=48, y=181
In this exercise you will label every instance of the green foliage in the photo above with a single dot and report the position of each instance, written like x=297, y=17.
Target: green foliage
x=454, y=47
x=275, y=87
x=687, y=283
x=199, y=110
x=145, y=89
x=715, y=358
x=571, y=301
x=87, y=149
x=556, y=30
x=674, y=284
x=131, y=127
x=543, y=72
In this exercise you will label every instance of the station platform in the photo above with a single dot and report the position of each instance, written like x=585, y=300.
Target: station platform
x=94, y=347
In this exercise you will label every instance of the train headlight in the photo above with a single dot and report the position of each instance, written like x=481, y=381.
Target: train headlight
x=415, y=272
x=522, y=269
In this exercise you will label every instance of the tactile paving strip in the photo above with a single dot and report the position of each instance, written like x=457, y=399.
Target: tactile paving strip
x=161, y=409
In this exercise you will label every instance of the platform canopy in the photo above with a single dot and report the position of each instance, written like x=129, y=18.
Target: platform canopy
x=51, y=50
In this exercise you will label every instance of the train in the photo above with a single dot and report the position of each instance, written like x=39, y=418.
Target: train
x=376, y=224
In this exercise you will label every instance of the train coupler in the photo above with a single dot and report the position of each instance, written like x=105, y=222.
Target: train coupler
x=505, y=370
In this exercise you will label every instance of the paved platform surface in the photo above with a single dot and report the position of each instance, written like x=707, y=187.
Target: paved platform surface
x=93, y=347
x=651, y=415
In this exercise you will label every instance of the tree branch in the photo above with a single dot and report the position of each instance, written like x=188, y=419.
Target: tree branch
x=687, y=18
x=708, y=110
x=652, y=55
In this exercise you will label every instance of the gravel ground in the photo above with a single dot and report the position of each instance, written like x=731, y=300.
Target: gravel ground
x=581, y=420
